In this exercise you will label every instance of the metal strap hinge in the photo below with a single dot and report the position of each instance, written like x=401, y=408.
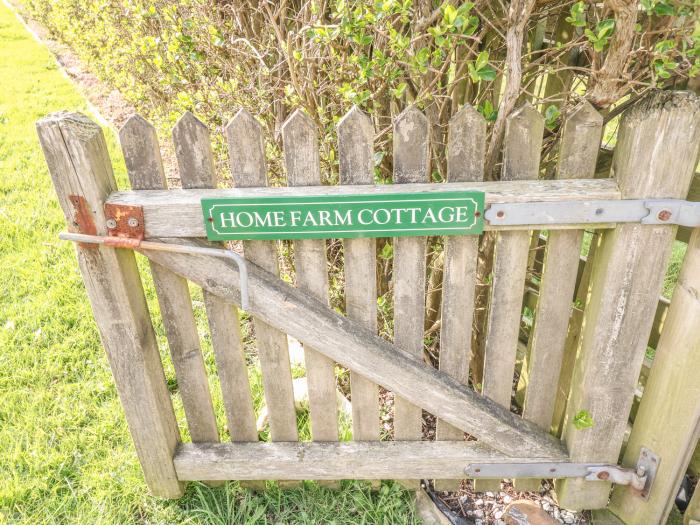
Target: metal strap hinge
x=639, y=478
x=656, y=211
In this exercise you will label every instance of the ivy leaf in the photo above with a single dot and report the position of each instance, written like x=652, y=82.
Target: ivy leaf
x=583, y=420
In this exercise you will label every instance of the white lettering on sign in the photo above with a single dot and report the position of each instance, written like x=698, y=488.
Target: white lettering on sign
x=365, y=217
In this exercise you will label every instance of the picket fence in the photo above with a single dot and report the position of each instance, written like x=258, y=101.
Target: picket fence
x=585, y=365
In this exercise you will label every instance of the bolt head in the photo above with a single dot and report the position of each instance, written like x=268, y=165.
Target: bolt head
x=111, y=224
x=133, y=222
x=664, y=215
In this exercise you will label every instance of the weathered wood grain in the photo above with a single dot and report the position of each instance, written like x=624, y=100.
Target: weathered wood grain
x=319, y=460
x=465, y=163
x=355, y=152
x=247, y=162
x=655, y=156
x=139, y=144
x=344, y=341
x=310, y=263
x=178, y=213
x=79, y=164
x=668, y=420
x=521, y=160
x=411, y=164
x=577, y=158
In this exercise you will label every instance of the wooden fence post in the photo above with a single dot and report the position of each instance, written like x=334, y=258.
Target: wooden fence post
x=654, y=158
x=668, y=416
x=78, y=161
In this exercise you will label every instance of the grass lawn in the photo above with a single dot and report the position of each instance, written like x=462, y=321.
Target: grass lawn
x=65, y=452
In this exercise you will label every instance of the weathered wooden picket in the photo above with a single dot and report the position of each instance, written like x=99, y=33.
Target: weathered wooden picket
x=655, y=157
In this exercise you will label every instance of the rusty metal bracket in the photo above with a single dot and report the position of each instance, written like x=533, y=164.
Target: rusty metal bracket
x=124, y=221
x=82, y=221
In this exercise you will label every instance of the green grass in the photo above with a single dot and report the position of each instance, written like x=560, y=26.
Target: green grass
x=65, y=452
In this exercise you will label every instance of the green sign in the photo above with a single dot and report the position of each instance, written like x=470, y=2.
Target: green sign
x=343, y=216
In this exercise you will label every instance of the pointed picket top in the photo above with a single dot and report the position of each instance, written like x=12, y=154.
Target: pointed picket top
x=246, y=150
x=300, y=141
x=139, y=142
x=195, y=159
x=355, y=147
x=466, y=146
x=580, y=142
x=523, y=143
x=411, y=147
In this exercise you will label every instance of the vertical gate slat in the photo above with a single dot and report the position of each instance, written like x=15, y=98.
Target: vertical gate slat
x=521, y=159
x=655, y=156
x=355, y=152
x=246, y=149
x=577, y=159
x=196, y=166
x=303, y=169
x=411, y=164
x=78, y=161
x=143, y=163
x=465, y=163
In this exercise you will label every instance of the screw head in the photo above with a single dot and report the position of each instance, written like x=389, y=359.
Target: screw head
x=664, y=215
x=111, y=224
x=603, y=474
x=133, y=222
x=500, y=214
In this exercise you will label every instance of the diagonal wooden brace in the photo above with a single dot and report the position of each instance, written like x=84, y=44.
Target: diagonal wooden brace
x=346, y=342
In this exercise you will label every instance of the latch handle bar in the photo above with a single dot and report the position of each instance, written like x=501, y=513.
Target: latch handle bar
x=138, y=244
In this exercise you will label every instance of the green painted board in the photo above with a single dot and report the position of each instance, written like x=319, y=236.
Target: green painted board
x=345, y=216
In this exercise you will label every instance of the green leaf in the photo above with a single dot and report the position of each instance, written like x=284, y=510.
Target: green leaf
x=449, y=14
x=487, y=73
x=578, y=15
x=583, y=420
x=551, y=116
x=387, y=252
x=481, y=60
x=399, y=90
x=663, y=9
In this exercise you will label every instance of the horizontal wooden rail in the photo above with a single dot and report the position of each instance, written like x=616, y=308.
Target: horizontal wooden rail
x=347, y=342
x=333, y=460
x=178, y=213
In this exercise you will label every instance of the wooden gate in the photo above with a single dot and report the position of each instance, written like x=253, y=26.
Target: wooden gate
x=657, y=147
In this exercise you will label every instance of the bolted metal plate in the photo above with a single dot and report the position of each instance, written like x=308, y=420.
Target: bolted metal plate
x=526, y=470
x=666, y=211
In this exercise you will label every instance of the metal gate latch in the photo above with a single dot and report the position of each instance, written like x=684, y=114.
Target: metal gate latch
x=639, y=478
